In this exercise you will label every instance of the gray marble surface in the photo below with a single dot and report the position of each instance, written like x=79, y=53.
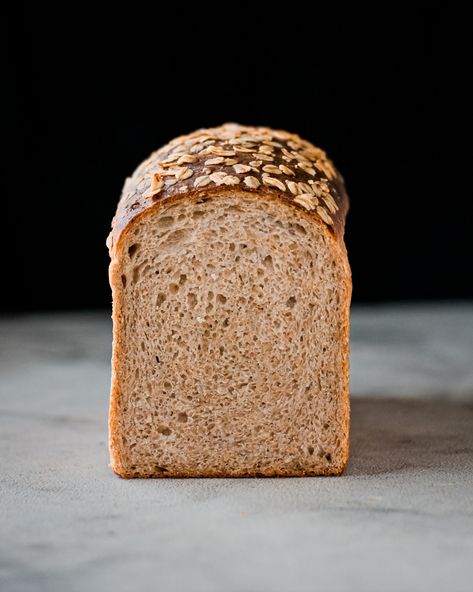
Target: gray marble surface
x=400, y=519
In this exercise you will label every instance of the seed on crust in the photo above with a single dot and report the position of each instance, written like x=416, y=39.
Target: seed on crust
x=287, y=154
x=330, y=203
x=252, y=182
x=326, y=168
x=317, y=189
x=300, y=158
x=216, y=160
x=241, y=149
x=168, y=160
x=262, y=156
x=286, y=170
x=272, y=169
x=230, y=161
x=157, y=183
x=217, y=178
x=306, y=200
x=272, y=182
x=304, y=188
x=186, y=159
x=231, y=180
x=256, y=163
x=185, y=174
x=306, y=168
x=170, y=182
x=217, y=151
x=202, y=181
x=196, y=149
x=265, y=149
x=293, y=187
x=294, y=145
x=323, y=214
x=242, y=168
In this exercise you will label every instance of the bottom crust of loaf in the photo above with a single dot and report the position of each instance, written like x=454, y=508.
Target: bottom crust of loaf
x=326, y=472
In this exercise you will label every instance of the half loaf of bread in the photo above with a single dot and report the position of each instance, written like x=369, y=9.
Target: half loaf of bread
x=231, y=294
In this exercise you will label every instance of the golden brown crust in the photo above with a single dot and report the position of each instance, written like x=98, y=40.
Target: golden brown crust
x=250, y=159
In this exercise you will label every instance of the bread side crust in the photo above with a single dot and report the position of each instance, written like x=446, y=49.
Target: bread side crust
x=117, y=455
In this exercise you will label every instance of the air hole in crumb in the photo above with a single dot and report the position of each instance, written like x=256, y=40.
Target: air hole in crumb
x=225, y=322
x=173, y=288
x=167, y=385
x=231, y=246
x=325, y=426
x=124, y=280
x=157, y=359
x=310, y=450
x=291, y=302
x=198, y=214
x=175, y=238
x=136, y=273
x=165, y=222
x=182, y=278
x=328, y=456
x=210, y=295
x=143, y=348
x=221, y=298
x=192, y=299
x=160, y=298
x=299, y=229
x=182, y=417
x=243, y=246
x=132, y=250
x=164, y=430
x=268, y=262
x=161, y=469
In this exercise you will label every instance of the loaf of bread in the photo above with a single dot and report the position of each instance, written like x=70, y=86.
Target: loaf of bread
x=231, y=294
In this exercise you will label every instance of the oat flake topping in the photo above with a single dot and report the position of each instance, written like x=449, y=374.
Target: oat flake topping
x=248, y=157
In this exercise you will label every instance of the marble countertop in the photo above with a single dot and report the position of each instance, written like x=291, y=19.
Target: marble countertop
x=400, y=519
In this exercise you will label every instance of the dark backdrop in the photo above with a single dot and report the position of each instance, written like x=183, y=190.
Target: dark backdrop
x=91, y=95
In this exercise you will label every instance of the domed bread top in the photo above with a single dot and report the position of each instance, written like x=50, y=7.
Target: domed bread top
x=253, y=159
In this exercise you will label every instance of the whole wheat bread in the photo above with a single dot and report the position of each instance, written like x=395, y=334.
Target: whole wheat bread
x=231, y=293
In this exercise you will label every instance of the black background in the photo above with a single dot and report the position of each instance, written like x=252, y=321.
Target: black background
x=91, y=95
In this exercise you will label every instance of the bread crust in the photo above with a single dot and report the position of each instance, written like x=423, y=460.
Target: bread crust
x=298, y=172
x=146, y=191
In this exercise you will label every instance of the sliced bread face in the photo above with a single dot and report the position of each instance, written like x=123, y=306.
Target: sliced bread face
x=231, y=325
